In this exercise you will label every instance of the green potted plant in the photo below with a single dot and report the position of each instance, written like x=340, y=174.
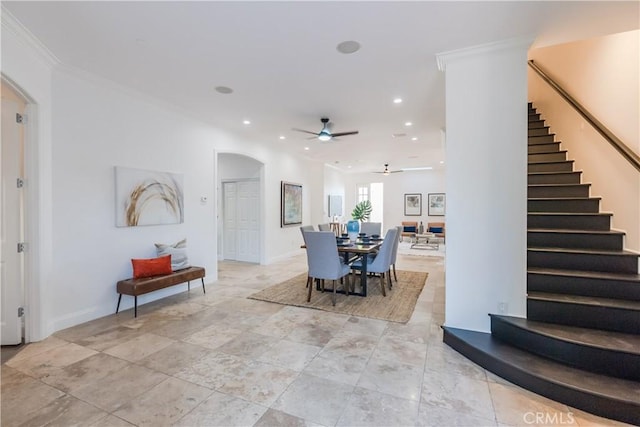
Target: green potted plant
x=361, y=212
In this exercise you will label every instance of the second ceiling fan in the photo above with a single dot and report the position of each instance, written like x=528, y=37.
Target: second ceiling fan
x=386, y=170
x=325, y=133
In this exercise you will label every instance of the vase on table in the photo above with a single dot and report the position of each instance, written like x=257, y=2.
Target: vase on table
x=353, y=228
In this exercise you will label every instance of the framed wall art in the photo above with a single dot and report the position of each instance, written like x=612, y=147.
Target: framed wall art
x=437, y=202
x=148, y=197
x=413, y=204
x=291, y=204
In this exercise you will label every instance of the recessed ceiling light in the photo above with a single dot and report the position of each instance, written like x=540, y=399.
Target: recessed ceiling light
x=348, y=47
x=282, y=137
x=415, y=138
x=349, y=167
x=224, y=90
x=408, y=123
x=397, y=101
x=306, y=148
x=246, y=122
x=442, y=162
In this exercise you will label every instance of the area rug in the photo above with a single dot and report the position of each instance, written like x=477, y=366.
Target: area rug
x=405, y=249
x=397, y=306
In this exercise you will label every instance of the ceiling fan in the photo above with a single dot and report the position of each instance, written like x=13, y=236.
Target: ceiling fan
x=325, y=134
x=386, y=170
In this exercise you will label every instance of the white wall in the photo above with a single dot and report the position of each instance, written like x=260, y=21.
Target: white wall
x=395, y=187
x=85, y=127
x=333, y=186
x=27, y=65
x=603, y=74
x=486, y=152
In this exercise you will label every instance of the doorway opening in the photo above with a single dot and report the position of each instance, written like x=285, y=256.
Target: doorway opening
x=374, y=192
x=12, y=234
x=239, y=208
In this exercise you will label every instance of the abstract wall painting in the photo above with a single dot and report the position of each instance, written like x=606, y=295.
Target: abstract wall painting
x=148, y=197
x=291, y=204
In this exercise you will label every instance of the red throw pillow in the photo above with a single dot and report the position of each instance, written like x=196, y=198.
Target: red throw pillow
x=151, y=267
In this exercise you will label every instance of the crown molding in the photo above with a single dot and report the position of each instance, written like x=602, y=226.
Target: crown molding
x=11, y=24
x=453, y=55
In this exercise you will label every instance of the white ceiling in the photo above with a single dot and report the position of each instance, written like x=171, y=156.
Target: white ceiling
x=280, y=59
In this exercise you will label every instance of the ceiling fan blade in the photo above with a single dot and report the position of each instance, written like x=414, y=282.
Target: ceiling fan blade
x=395, y=171
x=305, y=131
x=353, y=132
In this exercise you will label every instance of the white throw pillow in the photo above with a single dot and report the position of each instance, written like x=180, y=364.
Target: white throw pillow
x=178, y=252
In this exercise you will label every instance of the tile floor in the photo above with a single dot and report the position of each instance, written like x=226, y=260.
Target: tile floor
x=220, y=359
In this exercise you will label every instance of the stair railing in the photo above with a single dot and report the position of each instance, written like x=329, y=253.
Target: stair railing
x=617, y=143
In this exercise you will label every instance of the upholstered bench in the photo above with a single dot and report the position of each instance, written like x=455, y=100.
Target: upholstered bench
x=144, y=285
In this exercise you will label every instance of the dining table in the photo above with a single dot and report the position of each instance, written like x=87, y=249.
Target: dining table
x=352, y=250
x=363, y=250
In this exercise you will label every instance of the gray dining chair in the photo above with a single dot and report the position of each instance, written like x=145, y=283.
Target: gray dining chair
x=394, y=254
x=304, y=229
x=381, y=264
x=324, y=227
x=370, y=228
x=324, y=261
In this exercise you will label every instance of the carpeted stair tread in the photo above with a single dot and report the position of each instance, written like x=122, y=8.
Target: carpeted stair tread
x=608, y=340
x=585, y=300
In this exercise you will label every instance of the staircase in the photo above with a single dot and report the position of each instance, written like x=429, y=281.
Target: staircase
x=580, y=342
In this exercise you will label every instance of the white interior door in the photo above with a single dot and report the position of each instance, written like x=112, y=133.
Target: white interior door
x=230, y=229
x=248, y=226
x=11, y=224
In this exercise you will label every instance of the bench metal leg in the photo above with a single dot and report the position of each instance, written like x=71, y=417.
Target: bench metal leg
x=135, y=306
x=204, y=291
x=118, y=307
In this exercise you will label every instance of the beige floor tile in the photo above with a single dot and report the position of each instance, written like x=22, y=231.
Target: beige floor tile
x=441, y=357
x=140, y=347
x=516, y=406
x=213, y=370
x=437, y=416
x=83, y=372
x=451, y=390
x=259, y=382
x=44, y=363
x=223, y=410
x=370, y=408
x=164, y=404
x=345, y=343
x=111, y=421
x=392, y=348
x=174, y=357
x=346, y=369
x=22, y=395
x=289, y=354
x=214, y=336
x=109, y=338
x=392, y=377
x=315, y=399
x=114, y=390
x=248, y=345
x=273, y=418
x=362, y=325
x=65, y=411
x=33, y=349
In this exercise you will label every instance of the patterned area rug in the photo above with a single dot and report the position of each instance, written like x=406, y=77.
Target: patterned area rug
x=397, y=306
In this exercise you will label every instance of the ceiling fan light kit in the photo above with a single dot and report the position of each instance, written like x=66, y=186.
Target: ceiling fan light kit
x=386, y=170
x=325, y=134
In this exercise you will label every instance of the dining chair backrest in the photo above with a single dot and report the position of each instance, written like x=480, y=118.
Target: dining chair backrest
x=322, y=255
x=371, y=228
x=304, y=229
x=324, y=227
x=382, y=262
x=396, y=244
